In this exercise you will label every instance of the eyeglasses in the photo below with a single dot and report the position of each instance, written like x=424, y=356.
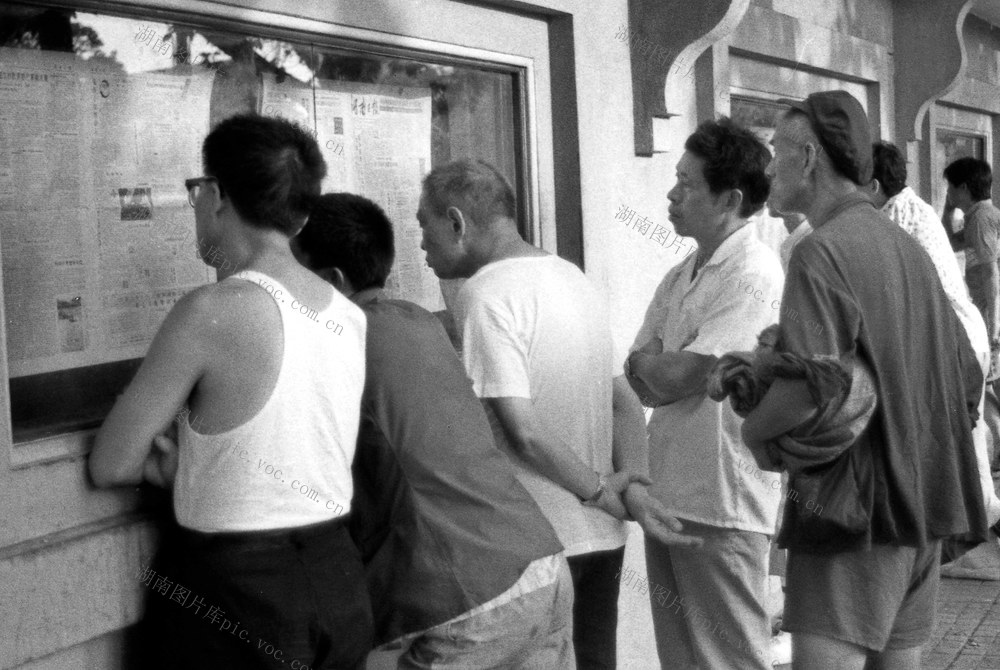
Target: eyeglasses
x=194, y=184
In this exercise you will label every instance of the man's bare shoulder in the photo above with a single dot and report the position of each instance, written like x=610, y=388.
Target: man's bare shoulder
x=223, y=306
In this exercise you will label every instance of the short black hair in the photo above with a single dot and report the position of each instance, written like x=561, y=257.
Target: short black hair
x=889, y=167
x=270, y=168
x=972, y=172
x=352, y=233
x=475, y=187
x=734, y=159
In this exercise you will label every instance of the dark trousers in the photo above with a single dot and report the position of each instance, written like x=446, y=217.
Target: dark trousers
x=595, y=607
x=272, y=599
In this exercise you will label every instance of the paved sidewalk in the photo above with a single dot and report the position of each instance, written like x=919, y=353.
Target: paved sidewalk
x=967, y=636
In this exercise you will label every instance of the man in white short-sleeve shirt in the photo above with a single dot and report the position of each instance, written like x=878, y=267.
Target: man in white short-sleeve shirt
x=713, y=302
x=537, y=345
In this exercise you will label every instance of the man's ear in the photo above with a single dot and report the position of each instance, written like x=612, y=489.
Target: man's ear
x=337, y=277
x=457, y=220
x=220, y=200
x=875, y=186
x=734, y=200
x=812, y=158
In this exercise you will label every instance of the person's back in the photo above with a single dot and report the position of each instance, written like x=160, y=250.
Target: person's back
x=464, y=529
x=554, y=310
x=262, y=414
x=919, y=220
x=261, y=477
x=460, y=560
x=900, y=317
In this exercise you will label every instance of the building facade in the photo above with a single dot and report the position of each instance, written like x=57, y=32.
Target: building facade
x=585, y=106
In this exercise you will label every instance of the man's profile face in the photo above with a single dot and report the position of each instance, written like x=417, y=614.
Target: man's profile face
x=785, y=168
x=693, y=207
x=440, y=241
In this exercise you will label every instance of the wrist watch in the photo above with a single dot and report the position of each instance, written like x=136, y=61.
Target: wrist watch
x=602, y=484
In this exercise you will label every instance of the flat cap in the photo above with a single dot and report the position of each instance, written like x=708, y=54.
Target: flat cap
x=839, y=120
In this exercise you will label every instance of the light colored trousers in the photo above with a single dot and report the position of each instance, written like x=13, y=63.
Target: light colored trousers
x=713, y=615
x=531, y=632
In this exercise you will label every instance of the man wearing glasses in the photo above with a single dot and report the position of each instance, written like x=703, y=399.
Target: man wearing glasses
x=262, y=569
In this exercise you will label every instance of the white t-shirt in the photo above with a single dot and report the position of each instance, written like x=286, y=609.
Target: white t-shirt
x=700, y=468
x=535, y=327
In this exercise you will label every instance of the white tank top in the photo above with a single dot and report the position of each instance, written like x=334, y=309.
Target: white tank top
x=289, y=465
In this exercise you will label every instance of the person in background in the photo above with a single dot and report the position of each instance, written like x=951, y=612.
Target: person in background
x=969, y=183
x=460, y=559
x=701, y=470
x=900, y=203
x=537, y=345
x=862, y=575
x=797, y=227
x=263, y=576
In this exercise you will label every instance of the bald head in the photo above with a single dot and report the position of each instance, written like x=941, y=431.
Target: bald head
x=476, y=188
x=467, y=219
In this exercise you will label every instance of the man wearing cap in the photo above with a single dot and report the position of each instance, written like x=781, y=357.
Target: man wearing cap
x=865, y=583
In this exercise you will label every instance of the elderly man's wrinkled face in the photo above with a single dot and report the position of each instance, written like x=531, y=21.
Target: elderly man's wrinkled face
x=786, y=167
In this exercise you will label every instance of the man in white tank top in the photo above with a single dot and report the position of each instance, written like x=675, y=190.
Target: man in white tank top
x=267, y=368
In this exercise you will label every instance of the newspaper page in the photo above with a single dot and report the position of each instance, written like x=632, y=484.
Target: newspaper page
x=392, y=153
x=335, y=135
x=96, y=234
